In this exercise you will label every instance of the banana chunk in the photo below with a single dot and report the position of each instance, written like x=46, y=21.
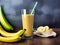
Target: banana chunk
x=45, y=32
x=44, y=29
x=40, y=29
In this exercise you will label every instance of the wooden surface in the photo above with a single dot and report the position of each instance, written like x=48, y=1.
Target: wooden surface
x=38, y=40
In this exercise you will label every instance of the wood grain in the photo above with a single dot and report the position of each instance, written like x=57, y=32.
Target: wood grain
x=38, y=40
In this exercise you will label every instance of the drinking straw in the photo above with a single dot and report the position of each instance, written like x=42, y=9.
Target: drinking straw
x=24, y=11
x=34, y=7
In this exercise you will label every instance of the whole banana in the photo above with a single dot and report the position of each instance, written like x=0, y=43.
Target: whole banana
x=10, y=39
x=4, y=33
x=4, y=21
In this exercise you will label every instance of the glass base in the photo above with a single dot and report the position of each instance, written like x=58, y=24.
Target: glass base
x=28, y=37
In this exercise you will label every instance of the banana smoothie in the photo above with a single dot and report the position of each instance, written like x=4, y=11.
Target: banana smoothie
x=27, y=21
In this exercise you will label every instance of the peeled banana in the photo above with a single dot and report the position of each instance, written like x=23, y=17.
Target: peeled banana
x=10, y=39
x=4, y=21
x=4, y=33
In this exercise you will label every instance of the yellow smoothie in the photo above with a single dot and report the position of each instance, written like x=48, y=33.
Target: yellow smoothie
x=27, y=21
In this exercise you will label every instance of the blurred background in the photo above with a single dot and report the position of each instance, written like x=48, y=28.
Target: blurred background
x=47, y=12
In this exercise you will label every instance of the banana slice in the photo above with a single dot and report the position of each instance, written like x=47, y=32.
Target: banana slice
x=48, y=31
x=44, y=31
x=40, y=29
x=47, y=27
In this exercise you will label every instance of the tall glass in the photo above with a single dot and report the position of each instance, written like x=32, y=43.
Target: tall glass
x=27, y=22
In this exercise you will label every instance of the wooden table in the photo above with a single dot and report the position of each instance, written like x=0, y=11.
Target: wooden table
x=38, y=40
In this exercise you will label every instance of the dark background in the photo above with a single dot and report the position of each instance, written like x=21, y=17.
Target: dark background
x=47, y=12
